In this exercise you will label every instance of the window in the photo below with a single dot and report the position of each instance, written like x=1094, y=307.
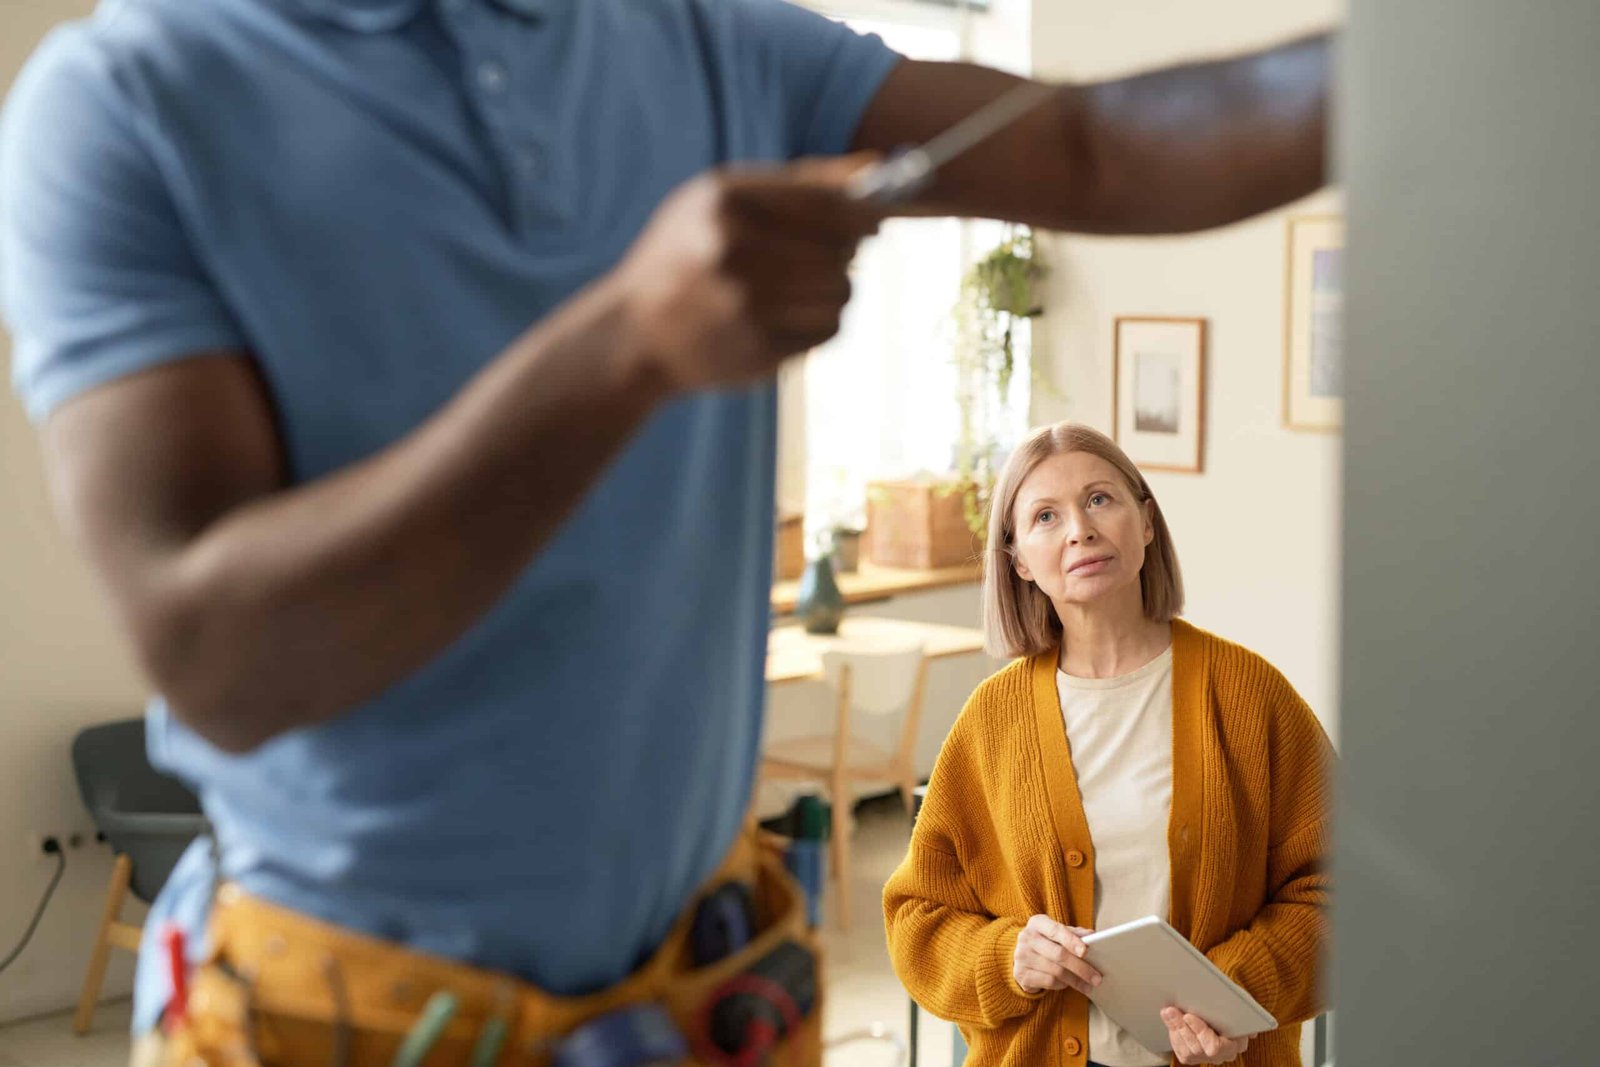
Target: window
x=879, y=400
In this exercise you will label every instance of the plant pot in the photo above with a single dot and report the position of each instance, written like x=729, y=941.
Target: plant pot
x=846, y=551
x=920, y=525
x=1004, y=297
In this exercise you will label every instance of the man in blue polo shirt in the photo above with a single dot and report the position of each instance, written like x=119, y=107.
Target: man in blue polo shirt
x=405, y=372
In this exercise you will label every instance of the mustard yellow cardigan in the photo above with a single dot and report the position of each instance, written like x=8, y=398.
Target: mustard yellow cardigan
x=1002, y=837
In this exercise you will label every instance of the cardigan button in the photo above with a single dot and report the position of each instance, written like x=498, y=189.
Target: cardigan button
x=1074, y=1046
x=1074, y=858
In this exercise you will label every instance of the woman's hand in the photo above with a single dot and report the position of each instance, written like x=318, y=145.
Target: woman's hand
x=1193, y=1040
x=1050, y=956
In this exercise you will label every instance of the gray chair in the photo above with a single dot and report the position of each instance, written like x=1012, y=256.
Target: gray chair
x=147, y=818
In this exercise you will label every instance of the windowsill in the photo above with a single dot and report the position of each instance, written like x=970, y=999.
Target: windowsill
x=880, y=583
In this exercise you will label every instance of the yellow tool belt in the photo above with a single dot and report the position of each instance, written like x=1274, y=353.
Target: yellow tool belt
x=279, y=989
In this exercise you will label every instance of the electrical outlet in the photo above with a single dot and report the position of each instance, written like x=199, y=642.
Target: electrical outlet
x=65, y=840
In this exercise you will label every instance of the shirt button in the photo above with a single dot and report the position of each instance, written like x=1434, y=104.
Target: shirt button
x=492, y=76
x=1074, y=1046
x=1074, y=858
x=529, y=161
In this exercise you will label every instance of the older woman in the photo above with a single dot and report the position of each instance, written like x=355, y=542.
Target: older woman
x=1125, y=764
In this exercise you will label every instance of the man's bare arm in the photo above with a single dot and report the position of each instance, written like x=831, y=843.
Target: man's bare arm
x=256, y=607
x=1171, y=151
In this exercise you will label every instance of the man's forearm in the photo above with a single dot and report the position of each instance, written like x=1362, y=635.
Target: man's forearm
x=300, y=605
x=257, y=606
x=1207, y=144
x=1171, y=151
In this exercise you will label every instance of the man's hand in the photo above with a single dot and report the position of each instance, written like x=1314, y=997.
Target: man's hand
x=1193, y=1040
x=1050, y=956
x=740, y=269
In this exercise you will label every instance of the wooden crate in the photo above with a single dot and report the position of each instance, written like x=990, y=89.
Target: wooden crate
x=789, y=548
x=918, y=525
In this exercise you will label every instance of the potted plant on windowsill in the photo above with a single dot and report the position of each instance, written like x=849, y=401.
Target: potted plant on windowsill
x=847, y=547
x=938, y=521
x=836, y=517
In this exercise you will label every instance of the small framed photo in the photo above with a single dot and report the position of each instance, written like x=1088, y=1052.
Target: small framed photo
x=1159, y=392
x=1313, y=347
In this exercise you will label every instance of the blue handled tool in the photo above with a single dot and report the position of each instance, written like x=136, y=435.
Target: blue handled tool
x=806, y=860
x=806, y=854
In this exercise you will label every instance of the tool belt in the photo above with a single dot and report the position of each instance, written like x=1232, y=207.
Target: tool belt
x=280, y=989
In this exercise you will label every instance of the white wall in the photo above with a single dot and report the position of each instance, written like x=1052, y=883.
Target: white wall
x=1257, y=533
x=61, y=667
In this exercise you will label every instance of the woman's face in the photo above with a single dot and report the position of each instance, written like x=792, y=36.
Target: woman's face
x=1080, y=531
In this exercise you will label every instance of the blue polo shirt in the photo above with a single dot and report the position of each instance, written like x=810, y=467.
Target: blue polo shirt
x=374, y=198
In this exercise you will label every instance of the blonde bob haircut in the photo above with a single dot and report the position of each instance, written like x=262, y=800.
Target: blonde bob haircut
x=1018, y=619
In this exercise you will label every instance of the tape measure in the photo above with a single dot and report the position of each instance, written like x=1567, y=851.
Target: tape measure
x=752, y=1011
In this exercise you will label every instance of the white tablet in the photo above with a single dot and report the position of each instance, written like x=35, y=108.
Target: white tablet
x=1147, y=965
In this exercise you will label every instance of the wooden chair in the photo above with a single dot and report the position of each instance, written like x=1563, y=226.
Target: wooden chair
x=147, y=818
x=879, y=682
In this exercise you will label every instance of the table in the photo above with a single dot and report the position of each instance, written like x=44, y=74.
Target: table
x=796, y=656
x=872, y=582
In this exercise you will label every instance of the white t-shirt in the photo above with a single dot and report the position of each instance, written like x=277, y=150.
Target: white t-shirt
x=1120, y=733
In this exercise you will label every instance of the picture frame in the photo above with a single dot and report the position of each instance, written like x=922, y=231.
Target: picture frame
x=1159, y=391
x=1313, y=331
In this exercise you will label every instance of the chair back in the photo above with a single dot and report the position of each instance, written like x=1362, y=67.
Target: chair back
x=881, y=681
x=149, y=816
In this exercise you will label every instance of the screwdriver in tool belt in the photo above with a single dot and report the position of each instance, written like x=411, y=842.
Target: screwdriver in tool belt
x=909, y=170
x=174, y=944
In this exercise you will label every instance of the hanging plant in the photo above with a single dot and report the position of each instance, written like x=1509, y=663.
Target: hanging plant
x=997, y=294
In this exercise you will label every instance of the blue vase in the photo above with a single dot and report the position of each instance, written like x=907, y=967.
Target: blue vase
x=819, y=604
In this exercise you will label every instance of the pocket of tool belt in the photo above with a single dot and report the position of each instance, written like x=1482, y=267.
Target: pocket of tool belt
x=780, y=917
x=780, y=907
x=669, y=979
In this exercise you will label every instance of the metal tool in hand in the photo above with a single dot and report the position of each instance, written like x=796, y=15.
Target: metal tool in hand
x=909, y=170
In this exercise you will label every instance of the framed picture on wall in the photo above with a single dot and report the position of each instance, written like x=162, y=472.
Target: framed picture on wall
x=1159, y=392
x=1313, y=315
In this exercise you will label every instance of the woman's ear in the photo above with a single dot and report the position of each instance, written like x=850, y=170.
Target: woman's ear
x=1149, y=521
x=1021, y=568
